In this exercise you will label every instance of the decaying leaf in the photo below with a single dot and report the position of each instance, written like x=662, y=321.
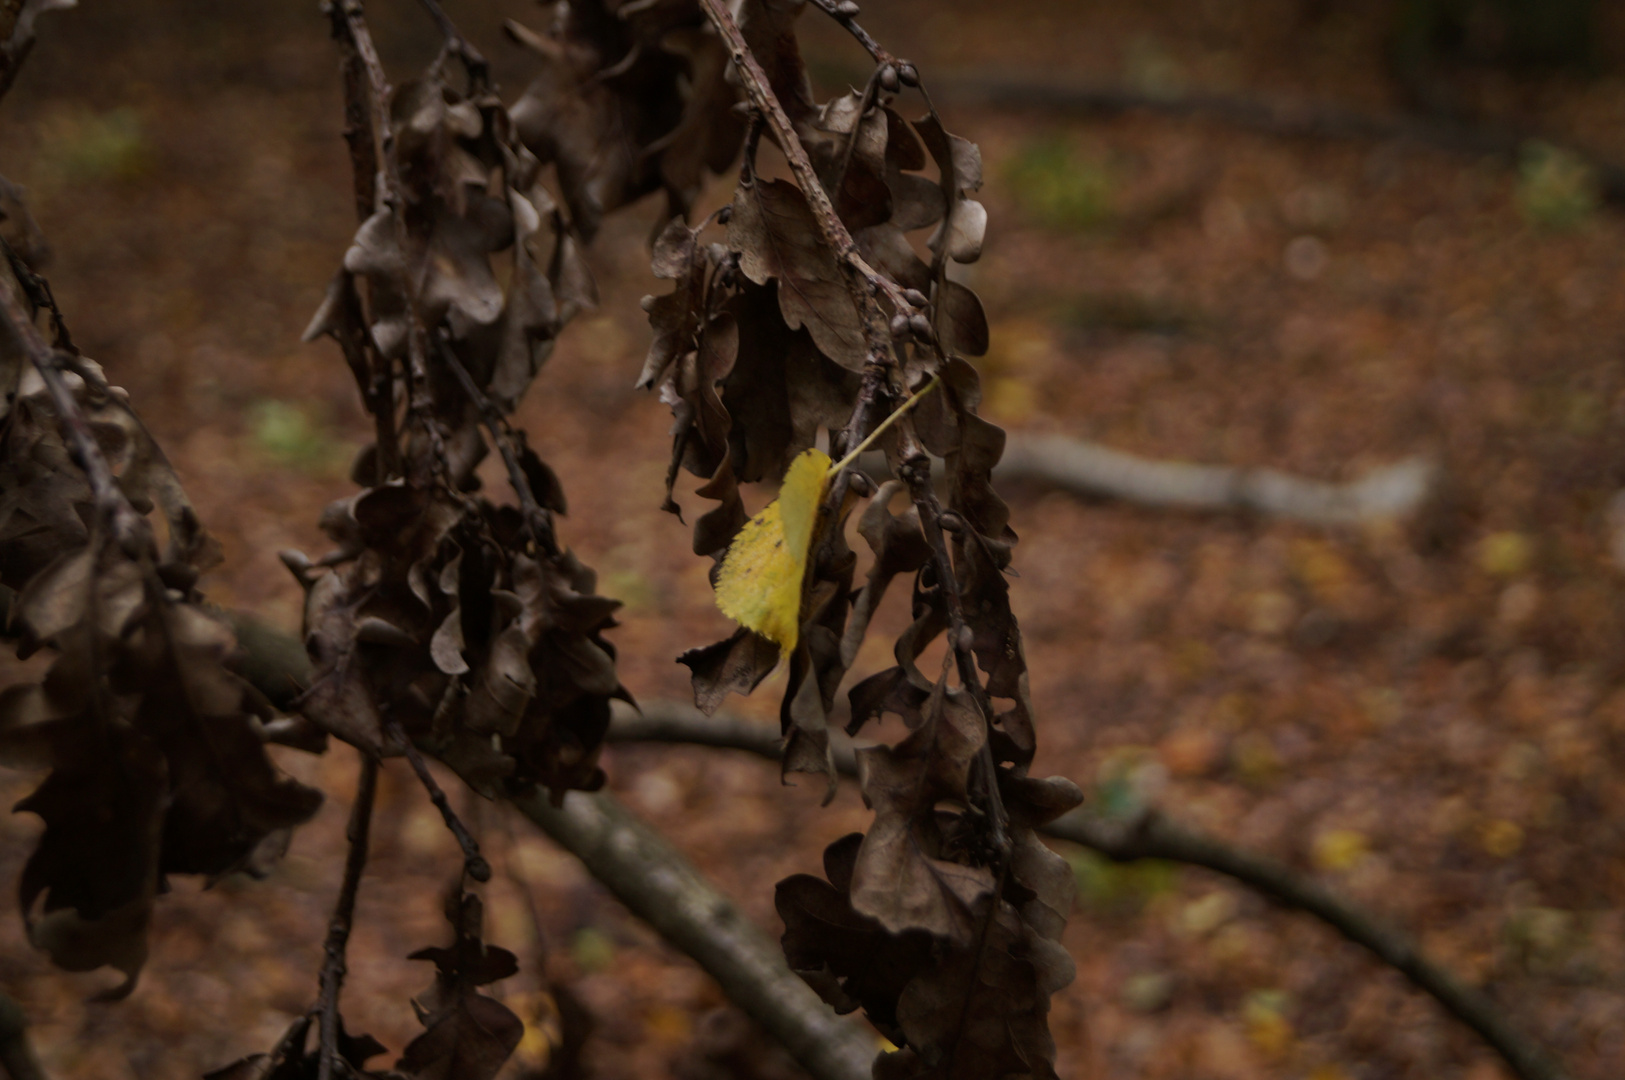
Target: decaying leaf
x=157, y=762
x=291, y=1060
x=631, y=99
x=941, y=921
x=467, y=1036
x=459, y=620
x=773, y=231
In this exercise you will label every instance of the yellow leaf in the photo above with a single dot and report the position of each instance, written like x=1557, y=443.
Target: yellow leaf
x=759, y=585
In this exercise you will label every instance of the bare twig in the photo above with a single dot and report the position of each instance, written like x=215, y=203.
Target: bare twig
x=124, y=524
x=664, y=889
x=350, y=29
x=338, y=930
x=863, y=281
x=366, y=131
x=537, y=519
x=1151, y=835
x=845, y=12
x=917, y=475
x=474, y=62
x=474, y=864
x=17, y=34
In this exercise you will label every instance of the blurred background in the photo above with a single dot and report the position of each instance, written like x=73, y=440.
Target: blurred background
x=1429, y=712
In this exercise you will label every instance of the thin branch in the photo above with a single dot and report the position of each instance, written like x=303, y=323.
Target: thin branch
x=916, y=471
x=124, y=524
x=845, y=12
x=664, y=889
x=17, y=34
x=1152, y=836
x=474, y=62
x=863, y=281
x=474, y=864
x=1091, y=470
x=538, y=520
x=338, y=930
x=364, y=86
x=350, y=29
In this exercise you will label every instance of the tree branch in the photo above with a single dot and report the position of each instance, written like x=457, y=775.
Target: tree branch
x=123, y=523
x=474, y=62
x=846, y=12
x=664, y=889
x=17, y=34
x=1150, y=835
x=862, y=280
x=1092, y=470
x=537, y=520
x=338, y=930
x=474, y=864
x=917, y=475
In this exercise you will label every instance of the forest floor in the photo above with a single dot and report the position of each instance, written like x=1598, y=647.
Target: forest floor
x=1431, y=717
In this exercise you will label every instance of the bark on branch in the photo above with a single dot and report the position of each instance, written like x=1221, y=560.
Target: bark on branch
x=1091, y=470
x=664, y=889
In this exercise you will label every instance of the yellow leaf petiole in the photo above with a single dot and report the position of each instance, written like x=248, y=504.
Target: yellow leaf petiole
x=884, y=424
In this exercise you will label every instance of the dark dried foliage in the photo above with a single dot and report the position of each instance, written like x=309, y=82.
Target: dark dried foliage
x=943, y=921
x=459, y=619
x=461, y=626
x=155, y=750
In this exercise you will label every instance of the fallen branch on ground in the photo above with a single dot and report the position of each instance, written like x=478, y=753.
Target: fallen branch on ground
x=1092, y=471
x=1150, y=835
x=1089, y=469
x=1286, y=119
x=665, y=890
